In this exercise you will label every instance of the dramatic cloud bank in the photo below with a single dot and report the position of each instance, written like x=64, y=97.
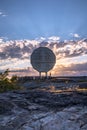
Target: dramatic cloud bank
x=70, y=55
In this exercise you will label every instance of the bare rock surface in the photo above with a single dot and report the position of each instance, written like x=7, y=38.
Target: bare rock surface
x=43, y=110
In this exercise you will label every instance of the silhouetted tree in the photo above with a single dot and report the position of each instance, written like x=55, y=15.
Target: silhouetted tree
x=3, y=76
x=14, y=79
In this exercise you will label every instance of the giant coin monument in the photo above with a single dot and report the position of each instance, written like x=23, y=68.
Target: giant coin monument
x=43, y=60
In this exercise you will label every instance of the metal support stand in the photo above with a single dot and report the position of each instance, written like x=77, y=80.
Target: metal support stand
x=40, y=75
x=46, y=75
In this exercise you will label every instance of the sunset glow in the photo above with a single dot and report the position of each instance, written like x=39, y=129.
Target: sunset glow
x=70, y=57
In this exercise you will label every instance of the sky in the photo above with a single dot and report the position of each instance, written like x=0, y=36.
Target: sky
x=60, y=25
x=22, y=19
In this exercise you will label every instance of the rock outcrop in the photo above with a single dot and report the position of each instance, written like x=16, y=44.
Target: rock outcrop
x=42, y=110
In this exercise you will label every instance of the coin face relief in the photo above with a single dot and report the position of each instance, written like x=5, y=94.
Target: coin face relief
x=43, y=59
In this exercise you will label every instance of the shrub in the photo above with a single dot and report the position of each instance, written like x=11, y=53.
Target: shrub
x=8, y=84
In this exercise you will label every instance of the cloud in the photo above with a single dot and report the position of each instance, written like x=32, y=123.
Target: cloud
x=2, y=14
x=17, y=49
x=16, y=53
x=1, y=40
x=29, y=71
x=76, y=67
x=72, y=69
x=59, y=70
x=54, y=38
x=42, y=39
x=23, y=48
x=72, y=49
x=75, y=35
